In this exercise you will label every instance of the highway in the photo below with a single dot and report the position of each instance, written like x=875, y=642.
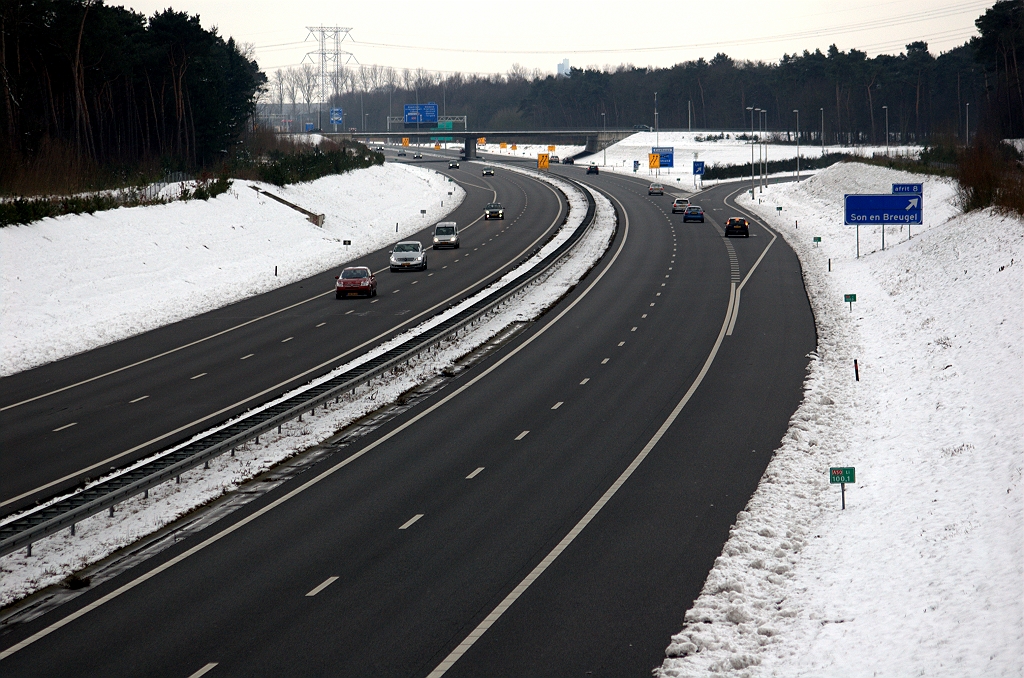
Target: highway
x=552, y=511
x=76, y=418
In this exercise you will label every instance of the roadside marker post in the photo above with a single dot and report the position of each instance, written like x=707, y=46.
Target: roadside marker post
x=850, y=298
x=840, y=475
x=817, y=239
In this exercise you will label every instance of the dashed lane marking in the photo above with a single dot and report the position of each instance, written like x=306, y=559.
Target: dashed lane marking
x=197, y=376
x=65, y=426
x=203, y=671
x=475, y=473
x=605, y=361
x=321, y=324
x=557, y=405
x=318, y=589
x=521, y=435
x=584, y=381
x=411, y=521
x=138, y=399
x=288, y=339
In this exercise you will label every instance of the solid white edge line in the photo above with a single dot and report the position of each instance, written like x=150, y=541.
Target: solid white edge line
x=203, y=671
x=262, y=393
x=81, y=612
x=488, y=621
x=735, y=310
x=318, y=589
x=407, y=524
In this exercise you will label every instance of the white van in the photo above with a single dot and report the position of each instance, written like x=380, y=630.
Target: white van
x=446, y=234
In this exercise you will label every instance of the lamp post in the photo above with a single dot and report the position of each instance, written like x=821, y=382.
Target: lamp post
x=967, y=127
x=751, y=109
x=365, y=116
x=822, y=130
x=797, y=143
x=886, y=109
x=604, y=124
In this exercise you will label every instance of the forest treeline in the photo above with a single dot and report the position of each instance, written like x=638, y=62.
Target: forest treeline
x=846, y=93
x=88, y=85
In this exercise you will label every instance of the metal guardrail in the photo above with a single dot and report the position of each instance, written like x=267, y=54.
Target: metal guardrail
x=31, y=527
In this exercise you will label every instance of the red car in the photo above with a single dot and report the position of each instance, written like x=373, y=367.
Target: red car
x=355, y=281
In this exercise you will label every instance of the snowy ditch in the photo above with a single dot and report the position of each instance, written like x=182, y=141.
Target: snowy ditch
x=56, y=557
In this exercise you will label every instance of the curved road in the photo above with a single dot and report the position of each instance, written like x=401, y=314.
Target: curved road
x=552, y=511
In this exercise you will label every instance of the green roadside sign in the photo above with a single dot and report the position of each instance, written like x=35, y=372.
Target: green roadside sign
x=842, y=474
x=849, y=298
x=817, y=238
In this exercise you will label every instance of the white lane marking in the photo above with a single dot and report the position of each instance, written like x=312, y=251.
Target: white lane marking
x=663, y=284
x=246, y=357
x=633, y=330
x=735, y=310
x=429, y=274
x=203, y=671
x=584, y=381
x=395, y=291
x=643, y=316
x=604, y=361
x=475, y=473
x=521, y=435
x=318, y=589
x=622, y=343
x=212, y=539
x=288, y=339
x=411, y=521
x=198, y=375
x=415, y=281
x=65, y=426
x=426, y=312
x=351, y=311
x=652, y=303
x=138, y=399
x=375, y=301
x=321, y=324
x=657, y=295
x=557, y=405
x=446, y=266
x=544, y=564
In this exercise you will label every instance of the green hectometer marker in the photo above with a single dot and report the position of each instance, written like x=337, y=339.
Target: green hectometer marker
x=842, y=474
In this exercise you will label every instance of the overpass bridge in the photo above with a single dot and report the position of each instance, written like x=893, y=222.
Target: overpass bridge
x=593, y=139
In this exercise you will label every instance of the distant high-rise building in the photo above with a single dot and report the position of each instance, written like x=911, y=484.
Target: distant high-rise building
x=563, y=68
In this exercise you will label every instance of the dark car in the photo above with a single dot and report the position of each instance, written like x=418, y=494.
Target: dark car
x=453, y=164
x=487, y=172
x=737, y=226
x=693, y=213
x=568, y=161
x=593, y=170
x=417, y=156
x=355, y=281
x=655, y=189
x=642, y=128
x=494, y=210
x=401, y=152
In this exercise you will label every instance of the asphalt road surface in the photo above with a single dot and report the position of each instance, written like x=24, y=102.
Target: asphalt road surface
x=553, y=511
x=78, y=417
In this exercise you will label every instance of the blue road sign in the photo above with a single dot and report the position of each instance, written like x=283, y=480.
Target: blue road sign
x=636, y=165
x=667, y=154
x=908, y=189
x=883, y=209
x=337, y=115
x=698, y=167
x=422, y=113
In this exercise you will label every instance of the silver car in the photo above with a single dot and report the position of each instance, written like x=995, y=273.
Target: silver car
x=446, y=234
x=408, y=254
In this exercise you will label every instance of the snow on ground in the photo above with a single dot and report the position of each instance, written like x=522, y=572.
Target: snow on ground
x=707, y=146
x=529, y=150
x=59, y=555
x=64, y=281
x=923, y=573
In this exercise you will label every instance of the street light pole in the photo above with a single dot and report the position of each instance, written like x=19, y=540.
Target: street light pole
x=822, y=130
x=604, y=124
x=797, y=143
x=760, y=148
x=886, y=109
x=967, y=127
x=751, y=109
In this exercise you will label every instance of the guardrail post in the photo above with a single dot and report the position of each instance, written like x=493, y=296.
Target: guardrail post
x=206, y=465
x=232, y=451
x=178, y=480
x=29, y=554
x=73, y=529
x=111, y=511
x=145, y=495
x=278, y=428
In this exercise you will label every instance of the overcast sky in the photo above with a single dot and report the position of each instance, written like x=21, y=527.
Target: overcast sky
x=488, y=37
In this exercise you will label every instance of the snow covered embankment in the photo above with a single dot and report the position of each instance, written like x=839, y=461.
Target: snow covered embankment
x=76, y=282
x=923, y=573
x=59, y=555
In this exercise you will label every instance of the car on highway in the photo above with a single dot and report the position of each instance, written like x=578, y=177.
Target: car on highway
x=593, y=170
x=355, y=281
x=680, y=205
x=494, y=210
x=453, y=164
x=553, y=159
x=642, y=128
x=417, y=156
x=401, y=152
x=655, y=189
x=693, y=213
x=737, y=226
x=379, y=149
x=408, y=254
x=487, y=172
x=446, y=234
x=568, y=161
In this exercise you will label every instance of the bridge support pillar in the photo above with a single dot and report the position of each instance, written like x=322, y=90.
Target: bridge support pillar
x=471, y=148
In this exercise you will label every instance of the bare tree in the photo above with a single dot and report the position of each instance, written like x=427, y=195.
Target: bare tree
x=277, y=85
x=307, y=80
x=291, y=80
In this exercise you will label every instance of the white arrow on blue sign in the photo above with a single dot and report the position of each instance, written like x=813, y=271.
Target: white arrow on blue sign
x=336, y=116
x=698, y=167
x=883, y=209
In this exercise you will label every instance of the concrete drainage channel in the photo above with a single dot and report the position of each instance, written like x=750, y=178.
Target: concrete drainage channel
x=168, y=465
